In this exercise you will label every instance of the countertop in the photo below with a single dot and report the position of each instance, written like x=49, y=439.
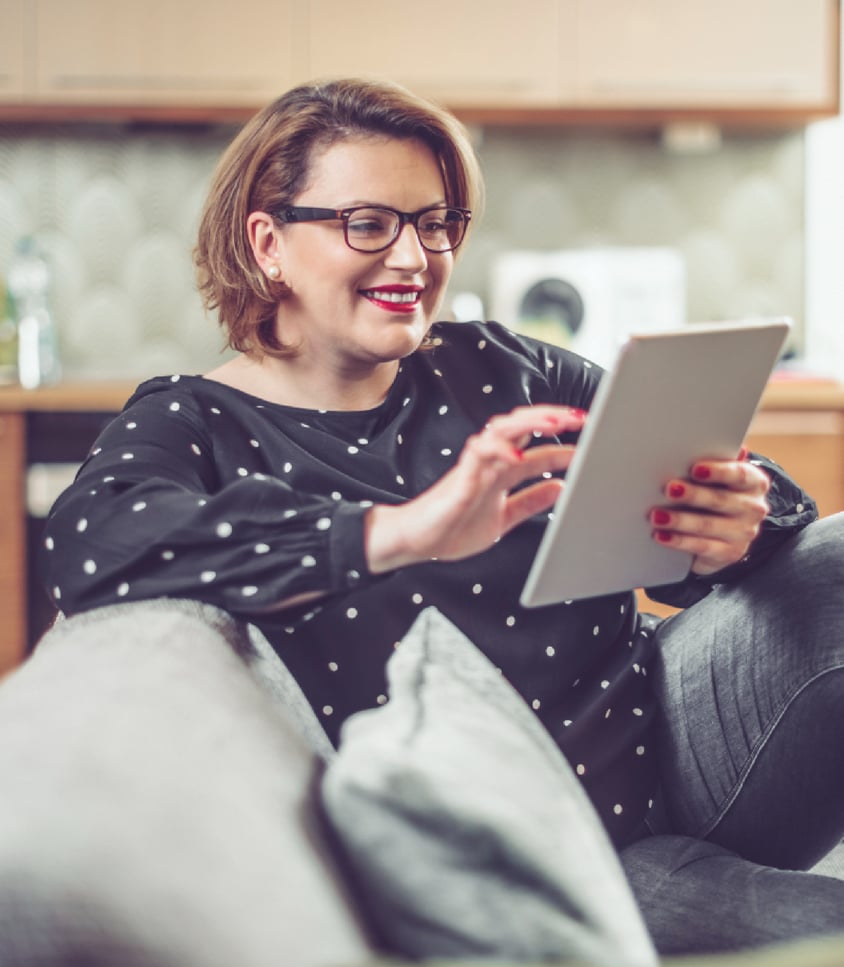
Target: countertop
x=786, y=392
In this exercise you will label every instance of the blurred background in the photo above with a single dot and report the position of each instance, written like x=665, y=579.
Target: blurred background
x=648, y=163
x=659, y=123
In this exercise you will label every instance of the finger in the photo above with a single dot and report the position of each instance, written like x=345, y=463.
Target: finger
x=492, y=461
x=719, y=499
x=524, y=422
x=709, y=555
x=490, y=447
x=532, y=500
x=546, y=458
x=735, y=474
x=737, y=530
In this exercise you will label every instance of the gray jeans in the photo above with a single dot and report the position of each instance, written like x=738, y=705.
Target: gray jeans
x=751, y=684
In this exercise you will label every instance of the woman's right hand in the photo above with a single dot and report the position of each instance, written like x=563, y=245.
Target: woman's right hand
x=472, y=505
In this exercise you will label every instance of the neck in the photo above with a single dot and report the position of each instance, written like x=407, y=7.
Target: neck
x=291, y=383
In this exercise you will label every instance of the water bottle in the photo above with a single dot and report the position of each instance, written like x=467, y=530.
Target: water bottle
x=29, y=286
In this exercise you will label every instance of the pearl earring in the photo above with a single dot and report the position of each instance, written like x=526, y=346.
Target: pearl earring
x=274, y=272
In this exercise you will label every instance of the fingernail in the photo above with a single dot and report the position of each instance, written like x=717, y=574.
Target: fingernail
x=577, y=412
x=743, y=453
x=701, y=473
x=518, y=454
x=676, y=490
x=661, y=517
x=663, y=536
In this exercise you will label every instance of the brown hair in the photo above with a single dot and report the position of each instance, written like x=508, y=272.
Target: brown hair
x=266, y=167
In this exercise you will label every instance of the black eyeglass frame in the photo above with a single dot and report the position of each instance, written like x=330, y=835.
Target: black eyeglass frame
x=292, y=214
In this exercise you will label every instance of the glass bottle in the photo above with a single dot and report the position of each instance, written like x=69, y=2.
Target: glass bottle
x=29, y=286
x=8, y=339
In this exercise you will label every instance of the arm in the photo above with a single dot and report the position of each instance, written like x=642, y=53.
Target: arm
x=153, y=514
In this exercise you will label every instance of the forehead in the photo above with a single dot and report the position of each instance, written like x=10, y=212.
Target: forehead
x=372, y=163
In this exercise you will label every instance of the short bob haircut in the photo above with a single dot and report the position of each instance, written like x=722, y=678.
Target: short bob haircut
x=267, y=166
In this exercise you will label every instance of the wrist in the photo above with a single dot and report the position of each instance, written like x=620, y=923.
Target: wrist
x=387, y=545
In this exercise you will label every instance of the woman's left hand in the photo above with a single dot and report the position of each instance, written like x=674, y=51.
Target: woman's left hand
x=715, y=514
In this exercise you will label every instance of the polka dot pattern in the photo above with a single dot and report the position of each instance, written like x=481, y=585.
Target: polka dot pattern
x=202, y=491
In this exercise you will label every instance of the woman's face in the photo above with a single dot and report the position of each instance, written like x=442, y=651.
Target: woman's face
x=339, y=301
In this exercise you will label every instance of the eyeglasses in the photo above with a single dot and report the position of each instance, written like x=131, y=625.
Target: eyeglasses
x=369, y=229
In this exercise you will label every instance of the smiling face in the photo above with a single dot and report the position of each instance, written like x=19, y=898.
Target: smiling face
x=353, y=310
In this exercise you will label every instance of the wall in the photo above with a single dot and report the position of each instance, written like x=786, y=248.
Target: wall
x=824, y=322
x=116, y=211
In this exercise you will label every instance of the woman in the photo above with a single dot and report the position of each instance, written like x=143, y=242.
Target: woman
x=357, y=461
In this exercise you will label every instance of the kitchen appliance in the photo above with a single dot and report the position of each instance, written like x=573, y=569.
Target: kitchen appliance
x=589, y=300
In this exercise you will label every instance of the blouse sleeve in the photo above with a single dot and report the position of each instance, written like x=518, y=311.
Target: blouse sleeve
x=149, y=516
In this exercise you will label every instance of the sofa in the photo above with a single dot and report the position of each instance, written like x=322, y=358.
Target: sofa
x=169, y=798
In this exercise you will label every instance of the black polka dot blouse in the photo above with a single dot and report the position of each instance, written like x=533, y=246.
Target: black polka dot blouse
x=198, y=490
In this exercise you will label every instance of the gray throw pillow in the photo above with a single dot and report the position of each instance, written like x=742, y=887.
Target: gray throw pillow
x=468, y=832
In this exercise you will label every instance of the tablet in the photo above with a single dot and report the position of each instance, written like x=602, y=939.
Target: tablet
x=671, y=398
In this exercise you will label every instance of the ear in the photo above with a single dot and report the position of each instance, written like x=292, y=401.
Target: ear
x=264, y=240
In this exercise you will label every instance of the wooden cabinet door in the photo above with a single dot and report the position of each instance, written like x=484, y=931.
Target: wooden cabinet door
x=164, y=51
x=458, y=52
x=11, y=50
x=12, y=541
x=707, y=53
x=809, y=446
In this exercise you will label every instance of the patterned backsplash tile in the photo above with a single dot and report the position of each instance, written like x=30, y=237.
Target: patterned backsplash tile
x=116, y=211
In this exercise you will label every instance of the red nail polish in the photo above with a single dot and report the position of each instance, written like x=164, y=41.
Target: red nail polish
x=661, y=517
x=663, y=536
x=701, y=473
x=676, y=490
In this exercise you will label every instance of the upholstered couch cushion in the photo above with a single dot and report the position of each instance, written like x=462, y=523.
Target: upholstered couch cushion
x=155, y=803
x=465, y=825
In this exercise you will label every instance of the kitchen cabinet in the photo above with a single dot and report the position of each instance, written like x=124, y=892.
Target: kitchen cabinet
x=160, y=52
x=11, y=49
x=764, y=54
x=803, y=432
x=42, y=430
x=472, y=52
x=644, y=62
x=12, y=542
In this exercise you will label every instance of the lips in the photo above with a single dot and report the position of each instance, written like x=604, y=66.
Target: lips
x=394, y=298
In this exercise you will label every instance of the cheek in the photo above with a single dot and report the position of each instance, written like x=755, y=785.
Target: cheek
x=439, y=279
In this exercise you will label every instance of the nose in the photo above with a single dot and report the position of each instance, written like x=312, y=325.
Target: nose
x=407, y=251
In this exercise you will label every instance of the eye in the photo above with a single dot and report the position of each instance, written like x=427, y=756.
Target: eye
x=369, y=222
x=433, y=222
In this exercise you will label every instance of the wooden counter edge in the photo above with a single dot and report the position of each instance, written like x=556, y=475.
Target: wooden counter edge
x=799, y=394
x=105, y=396
x=781, y=394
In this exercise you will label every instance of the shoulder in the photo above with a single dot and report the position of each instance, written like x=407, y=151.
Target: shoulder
x=191, y=396
x=166, y=403
x=163, y=389
x=489, y=345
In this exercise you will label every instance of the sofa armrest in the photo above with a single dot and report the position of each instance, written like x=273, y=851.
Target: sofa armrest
x=156, y=803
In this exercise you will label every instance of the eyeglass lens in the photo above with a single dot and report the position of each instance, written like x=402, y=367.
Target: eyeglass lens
x=371, y=229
